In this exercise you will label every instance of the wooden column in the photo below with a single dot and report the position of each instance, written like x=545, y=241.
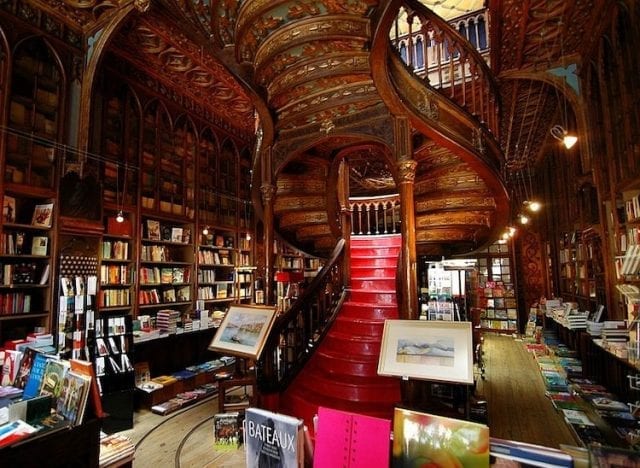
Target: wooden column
x=268, y=191
x=408, y=269
x=345, y=218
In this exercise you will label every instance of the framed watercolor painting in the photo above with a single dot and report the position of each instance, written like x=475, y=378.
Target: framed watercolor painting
x=244, y=330
x=427, y=350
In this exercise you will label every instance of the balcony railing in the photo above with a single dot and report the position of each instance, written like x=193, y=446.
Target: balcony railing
x=375, y=215
x=446, y=61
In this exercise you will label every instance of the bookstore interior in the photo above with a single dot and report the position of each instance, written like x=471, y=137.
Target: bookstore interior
x=316, y=214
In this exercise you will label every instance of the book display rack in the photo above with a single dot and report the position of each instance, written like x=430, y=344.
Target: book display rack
x=496, y=292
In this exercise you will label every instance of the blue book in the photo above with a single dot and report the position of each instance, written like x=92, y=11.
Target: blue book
x=32, y=387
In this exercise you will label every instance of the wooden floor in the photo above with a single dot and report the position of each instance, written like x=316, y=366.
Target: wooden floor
x=518, y=410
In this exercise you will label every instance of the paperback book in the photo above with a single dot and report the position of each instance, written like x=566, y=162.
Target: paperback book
x=227, y=431
x=273, y=439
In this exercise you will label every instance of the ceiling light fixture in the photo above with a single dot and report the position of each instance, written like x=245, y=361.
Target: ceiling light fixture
x=561, y=134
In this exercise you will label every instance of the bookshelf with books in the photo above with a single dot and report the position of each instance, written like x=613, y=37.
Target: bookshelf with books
x=26, y=264
x=581, y=268
x=217, y=257
x=117, y=263
x=35, y=116
x=165, y=270
x=496, y=291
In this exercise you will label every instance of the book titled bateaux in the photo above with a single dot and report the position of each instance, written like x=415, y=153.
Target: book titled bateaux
x=273, y=440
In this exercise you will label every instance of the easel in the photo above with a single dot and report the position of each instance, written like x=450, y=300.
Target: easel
x=244, y=376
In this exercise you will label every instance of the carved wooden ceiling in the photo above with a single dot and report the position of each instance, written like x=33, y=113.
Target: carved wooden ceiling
x=308, y=63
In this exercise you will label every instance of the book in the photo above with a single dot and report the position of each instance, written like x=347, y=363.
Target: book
x=86, y=368
x=273, y=439
x=42, y=215
x=14, y=431
x=9, y=209
x=53, y=377
x=226, y=431
x=176, y=234
x=72, y=401
x=422, y=439
x=153, y=229
x=530, y=454
x=39, y=245
x=350, y=440
x=34, y=382
x=26, y=363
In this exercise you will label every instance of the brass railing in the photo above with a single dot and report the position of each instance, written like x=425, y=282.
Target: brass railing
x=375, y=215
x=299, y=329
x=452, y=65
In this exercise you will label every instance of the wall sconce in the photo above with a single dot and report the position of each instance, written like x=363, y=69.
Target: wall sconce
x=559, y=133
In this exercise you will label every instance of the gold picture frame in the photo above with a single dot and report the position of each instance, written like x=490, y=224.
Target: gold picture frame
x=244, y=330
x=427, y=350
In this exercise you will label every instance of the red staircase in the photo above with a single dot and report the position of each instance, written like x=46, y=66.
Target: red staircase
x=342, y=374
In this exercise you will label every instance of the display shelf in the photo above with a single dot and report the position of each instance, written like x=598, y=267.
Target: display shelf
x=34, y=117
x=165, y=272
x=495, y=295
x=26, y=262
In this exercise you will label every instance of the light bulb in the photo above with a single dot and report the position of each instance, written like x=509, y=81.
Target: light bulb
x=524, y=219
x=120, y=217
x=248, y=236
x=205, y=230
x=534, y=206
x=569, y=140
x=512, y=231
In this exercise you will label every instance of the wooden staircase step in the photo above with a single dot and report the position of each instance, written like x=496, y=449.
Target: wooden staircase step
x=357, y=309
x=374, y=283
x=372, y=296
x=358, y=326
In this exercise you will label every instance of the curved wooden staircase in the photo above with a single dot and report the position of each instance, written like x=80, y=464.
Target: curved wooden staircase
x=342, y=374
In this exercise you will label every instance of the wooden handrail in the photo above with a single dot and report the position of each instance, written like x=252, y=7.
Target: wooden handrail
x=298, y=330
x=459, y=73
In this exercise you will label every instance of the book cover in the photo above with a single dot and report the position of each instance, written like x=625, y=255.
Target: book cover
x=350, y=440
x=72, y=401
x=272, y=439
x=26, y=363
x=422, y=439
x=34, y=382
x=9, y=209
x=86, y=368
x=226, y=431
x=14, y=431
x=42, y=215
x=39, y=245
x=53, y=377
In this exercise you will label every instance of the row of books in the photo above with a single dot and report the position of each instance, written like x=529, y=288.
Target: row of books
x=115, y=250
x=15, y=303
x=115, y=274
x=156, y=275
x=213, y=276
x=217, y=291
x=219, y=257
x=114, y=297
x=170, y=295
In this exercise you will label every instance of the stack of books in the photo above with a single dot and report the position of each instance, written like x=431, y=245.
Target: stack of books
x=594, y=328
x=167, y=320
x=577, y=320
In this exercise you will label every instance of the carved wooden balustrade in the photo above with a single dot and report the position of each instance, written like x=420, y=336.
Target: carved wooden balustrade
x=375, y=215
x=452, y=65
x=299, y=329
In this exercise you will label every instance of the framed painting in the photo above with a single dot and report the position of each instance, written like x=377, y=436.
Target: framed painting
x=427, y=350
x=244, y=330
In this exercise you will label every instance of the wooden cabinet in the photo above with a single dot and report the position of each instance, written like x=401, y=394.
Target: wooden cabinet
x=34, y=121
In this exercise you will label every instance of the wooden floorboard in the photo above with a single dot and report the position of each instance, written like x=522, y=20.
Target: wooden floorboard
x=514, y=390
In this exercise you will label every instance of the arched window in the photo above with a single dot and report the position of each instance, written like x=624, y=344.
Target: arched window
x=462, y=29
x=419, y=53
x=473, y=33
x=403, y=52
x=482, y=33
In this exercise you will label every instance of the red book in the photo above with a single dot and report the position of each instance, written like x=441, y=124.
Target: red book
x=86, y=368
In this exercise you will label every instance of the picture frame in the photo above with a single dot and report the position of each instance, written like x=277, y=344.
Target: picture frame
x=427, y=350
x=9, y=209
x=42, y=215
x=244, y=330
